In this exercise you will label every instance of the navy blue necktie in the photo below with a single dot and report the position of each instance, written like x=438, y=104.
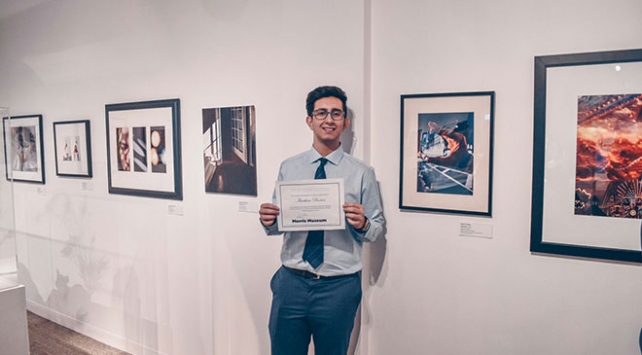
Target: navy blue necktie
x=313, y=252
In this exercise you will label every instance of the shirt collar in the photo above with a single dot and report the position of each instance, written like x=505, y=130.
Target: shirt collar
x=334, y=157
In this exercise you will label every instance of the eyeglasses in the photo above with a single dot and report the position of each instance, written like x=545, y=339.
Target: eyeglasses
x=321, y=114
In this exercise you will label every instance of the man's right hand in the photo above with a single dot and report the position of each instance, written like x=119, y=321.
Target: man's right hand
x=268, y=213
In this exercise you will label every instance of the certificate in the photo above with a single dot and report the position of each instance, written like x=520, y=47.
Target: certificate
x=310, y=205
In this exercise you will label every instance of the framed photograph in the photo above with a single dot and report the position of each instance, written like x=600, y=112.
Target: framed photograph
x=229, y=150
x=144, y=149
x=447, y=153
x=587, y=155
x=24, y=154
x=72, y=146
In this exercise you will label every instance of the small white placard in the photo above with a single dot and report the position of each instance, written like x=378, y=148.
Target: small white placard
x=248, y=206
x=87, y=186
x=176, y=210
x=480, y=230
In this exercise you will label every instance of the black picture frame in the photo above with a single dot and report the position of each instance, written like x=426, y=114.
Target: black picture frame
x=151, y=168
x=72, y=148
x=24, y=149
x=442, y=177
x=563, y=84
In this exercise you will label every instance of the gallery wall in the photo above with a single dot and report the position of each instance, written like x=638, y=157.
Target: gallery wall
x=192, y=276
x=152, y=275
x=489, y=295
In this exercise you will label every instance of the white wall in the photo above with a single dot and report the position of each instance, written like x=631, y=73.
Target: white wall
x=122, y=269
x=489, y=296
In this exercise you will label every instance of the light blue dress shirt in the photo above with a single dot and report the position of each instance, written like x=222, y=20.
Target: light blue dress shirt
x=342, y=248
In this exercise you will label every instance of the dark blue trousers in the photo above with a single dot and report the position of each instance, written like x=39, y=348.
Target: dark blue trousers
x=303, y=307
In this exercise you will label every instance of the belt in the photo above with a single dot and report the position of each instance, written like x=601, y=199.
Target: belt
x=311, y=275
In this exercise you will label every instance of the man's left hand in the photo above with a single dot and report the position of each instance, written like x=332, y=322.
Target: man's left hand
x=355, y=215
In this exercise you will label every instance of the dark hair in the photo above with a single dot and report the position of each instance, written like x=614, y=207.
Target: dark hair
x=325, y=91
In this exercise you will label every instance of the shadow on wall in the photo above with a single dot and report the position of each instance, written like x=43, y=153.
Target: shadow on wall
x=7, y=252
x=73, y=301
x=347, y=136
x=31, y=289
x=377, y=252
x=377, y=249
x=90, y=286
x=122, y=317
x=377, y=256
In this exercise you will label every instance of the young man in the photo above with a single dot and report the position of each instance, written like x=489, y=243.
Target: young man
x=319, y=298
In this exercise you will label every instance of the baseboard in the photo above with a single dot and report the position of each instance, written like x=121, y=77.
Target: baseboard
x=91, y=331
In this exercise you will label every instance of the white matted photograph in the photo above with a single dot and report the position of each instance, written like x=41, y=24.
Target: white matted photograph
x=586, y=155
x=144, y=149
x=72, y=146
x=447, y=153
x=24, y=154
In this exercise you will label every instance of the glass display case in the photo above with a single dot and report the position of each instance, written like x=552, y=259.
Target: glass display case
x=7, y=234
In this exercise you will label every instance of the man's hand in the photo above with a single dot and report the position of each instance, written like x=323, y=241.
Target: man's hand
x=355, y=215
x=268, y=213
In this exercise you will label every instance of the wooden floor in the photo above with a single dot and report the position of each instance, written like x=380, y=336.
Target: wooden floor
x=49, y=338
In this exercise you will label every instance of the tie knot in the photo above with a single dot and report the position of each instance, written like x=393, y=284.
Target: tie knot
x=320, y=173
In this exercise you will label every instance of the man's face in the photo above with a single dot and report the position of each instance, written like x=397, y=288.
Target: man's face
x=327, y=130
